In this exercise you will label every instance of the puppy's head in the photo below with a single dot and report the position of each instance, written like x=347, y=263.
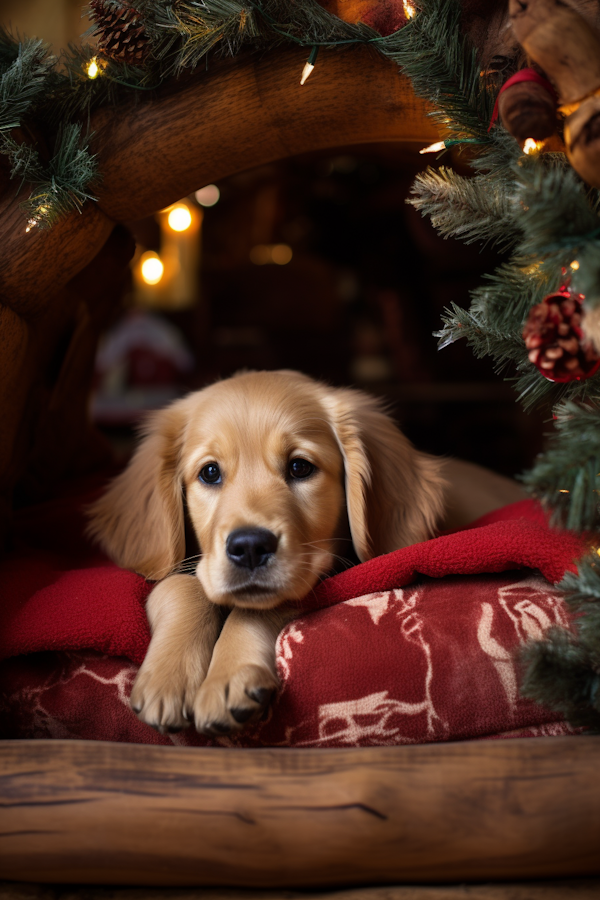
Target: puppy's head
x=272, y=465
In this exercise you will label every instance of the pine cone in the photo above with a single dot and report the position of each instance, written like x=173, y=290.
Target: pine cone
x=554, y=338
x=120, y=31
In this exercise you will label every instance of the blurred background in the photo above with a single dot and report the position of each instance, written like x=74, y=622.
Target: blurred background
x=315, y=263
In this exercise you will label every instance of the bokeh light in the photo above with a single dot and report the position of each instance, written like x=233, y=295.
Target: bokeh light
x=151, y=267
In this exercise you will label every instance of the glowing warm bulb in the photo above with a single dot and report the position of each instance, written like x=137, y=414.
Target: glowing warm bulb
x=151, y=268
x=410, y=10
x=281, y=254
x=530, y=146
x=433, y=148
x=92, y=70
x=208, y=195
x=179, y=218
x=574, y=265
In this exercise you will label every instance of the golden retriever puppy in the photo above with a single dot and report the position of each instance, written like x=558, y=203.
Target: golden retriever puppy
x=279, y=473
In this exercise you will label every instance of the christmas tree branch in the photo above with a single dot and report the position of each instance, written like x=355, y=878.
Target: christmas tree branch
x=63, y=184
x=443, y=67
x=24, y=68
x=472, y=209
x=566, y=477
x=559, y=673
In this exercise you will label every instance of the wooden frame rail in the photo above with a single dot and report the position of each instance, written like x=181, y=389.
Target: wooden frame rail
x=241, y=113
x=101, y=813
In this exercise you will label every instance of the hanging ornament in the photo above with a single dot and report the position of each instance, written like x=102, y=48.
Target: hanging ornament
x=120, y=31
x=527, y=105
x=554, y=338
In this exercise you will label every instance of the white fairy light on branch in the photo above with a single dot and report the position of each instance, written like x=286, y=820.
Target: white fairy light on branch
x=309, y=65
x=433, y=148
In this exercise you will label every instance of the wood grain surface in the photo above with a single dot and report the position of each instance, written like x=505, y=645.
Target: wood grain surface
x=100, y=813
x=34, y=266
x=241, y=113
x=577, y=889
x=245, y=112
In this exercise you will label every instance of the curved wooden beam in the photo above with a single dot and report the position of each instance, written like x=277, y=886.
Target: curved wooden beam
x=246, y=112
x=241, y=113
x=34, y=266
x=99, y=813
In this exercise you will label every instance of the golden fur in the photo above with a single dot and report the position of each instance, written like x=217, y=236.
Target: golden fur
x=369, y=484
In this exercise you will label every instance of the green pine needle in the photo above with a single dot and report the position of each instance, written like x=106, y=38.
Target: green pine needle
x=566, y=477
x=24, y=68
x=60, y=187
x=472, y=209
x=559, y=673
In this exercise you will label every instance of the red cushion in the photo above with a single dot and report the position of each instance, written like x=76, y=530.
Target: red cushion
x=375, y=662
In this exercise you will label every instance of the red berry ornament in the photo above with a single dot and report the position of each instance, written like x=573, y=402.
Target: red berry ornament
x=555, y=341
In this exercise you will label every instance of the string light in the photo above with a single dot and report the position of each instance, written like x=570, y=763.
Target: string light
x=309, y=65
x=531, y=146
x=563, y=491
x=574, y=265
x=151, y=267
x=433, y=148
x=179, y=218
x=92, y=69
x=410, y=10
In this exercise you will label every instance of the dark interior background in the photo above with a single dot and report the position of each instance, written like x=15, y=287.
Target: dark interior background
x=357, y=303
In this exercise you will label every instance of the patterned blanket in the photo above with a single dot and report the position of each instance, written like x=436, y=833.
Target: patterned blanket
x=415, y=646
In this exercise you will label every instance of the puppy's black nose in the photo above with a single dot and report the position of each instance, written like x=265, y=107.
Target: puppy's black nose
x=251, y=547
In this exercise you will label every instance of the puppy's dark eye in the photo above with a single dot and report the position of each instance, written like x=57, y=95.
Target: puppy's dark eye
x=301, y=468
x=210, y=473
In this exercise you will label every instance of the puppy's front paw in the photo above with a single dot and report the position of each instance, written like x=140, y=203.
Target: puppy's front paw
x=160, y=697
x=226, y=703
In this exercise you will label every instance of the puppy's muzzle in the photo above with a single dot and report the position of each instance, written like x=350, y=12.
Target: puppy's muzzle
x=251, y=548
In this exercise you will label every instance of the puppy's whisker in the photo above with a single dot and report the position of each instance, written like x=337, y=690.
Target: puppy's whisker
x=347, y=563
x=324, y=541
x=188, y=558
x=180, y=568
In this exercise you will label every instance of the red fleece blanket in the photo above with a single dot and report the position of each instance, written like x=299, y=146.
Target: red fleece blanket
x=371, y=661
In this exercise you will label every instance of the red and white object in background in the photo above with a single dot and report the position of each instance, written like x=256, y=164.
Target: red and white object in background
x=141, y=364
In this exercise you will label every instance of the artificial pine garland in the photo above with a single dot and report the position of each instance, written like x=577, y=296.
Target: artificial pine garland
x=61, y=184
x=533, y=206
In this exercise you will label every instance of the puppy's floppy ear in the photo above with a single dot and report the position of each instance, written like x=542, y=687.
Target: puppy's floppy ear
x=394, y=493
x=139, y=521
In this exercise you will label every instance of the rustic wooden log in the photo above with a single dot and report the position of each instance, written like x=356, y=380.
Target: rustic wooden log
x=86, y=812
x=246, y=112
x=34, y=266
x=579, y=889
